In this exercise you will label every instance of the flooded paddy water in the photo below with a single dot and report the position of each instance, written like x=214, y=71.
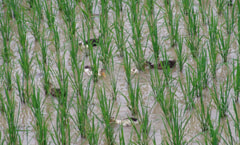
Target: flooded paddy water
x=173, y=106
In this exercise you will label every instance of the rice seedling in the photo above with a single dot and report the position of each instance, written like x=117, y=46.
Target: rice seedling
x=88, y=12
x=223, y=46
x=203, y=115
x=202, y=10
x=229, y=19
x=93, y=134
x=106, y=107
x=41, y=126
x=221, y=99
x=187, y=5
x=236, y=120
x=127, y=67
x=173, y=30
x=60, y=4
x=181, y=57
x=177, y=126
x=105, y=38
x=94, y=60
x=145, y=126
x=152, y=26
x=14, y=8
x=9, y=107
x=220, y=6
x=35, y=21
x=214, y=132
x=114, y=88
x=38, y=8
x=50, y=14
x=121, y=136
x=236, y=77
x=229, y=133
x=135, y=19
x=69, y=17
x=119, y=26
x=188, y=89
x=133, y=100
x=165, y=67
x=212, y=51
x=5, y=31
x=238, y=24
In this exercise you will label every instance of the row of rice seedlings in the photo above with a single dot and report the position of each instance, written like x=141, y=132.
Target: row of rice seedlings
x=236, y=78
x=106, y=106
x=135, y=19
x=41, y=126
x=6, y=51
x=50, y=14
x=69, y=17
x=145, y=126
x=152, y=26
x=119, y=26
x=221, y=99
x=181, y=57
x=25, y=60
x=212, y=51
x=105, y=36
x=9, y=108
x=177, y=125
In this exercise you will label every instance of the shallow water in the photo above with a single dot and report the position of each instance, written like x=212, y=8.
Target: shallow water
x=158, y=130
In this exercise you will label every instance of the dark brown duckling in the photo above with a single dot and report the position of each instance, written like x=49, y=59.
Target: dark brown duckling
x=94, y=42
x=161, y=64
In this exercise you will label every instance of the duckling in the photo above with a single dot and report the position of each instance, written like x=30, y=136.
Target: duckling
x=94, y=42
x=56, y=92
x=134, y=71
x=88, y=71
x=161, y=64
x=125, y=122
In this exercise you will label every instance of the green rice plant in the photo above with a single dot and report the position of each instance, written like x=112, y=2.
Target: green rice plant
x=44, y=64
x=88, y=12
x=60, y=4
x=135, y=19
x=166, y=68
x=229, y=19
x=192, y=22
x=133, y=100
x=93, y=134
x=106, y=37
x=223, y=46
x=84, y=97
x=238, y=24
x=214, y=132
x=236, y=77
x=2, y=140
x=168, y=12
x=236, y=120
x=181, y=57
x=106, y=107
x=35, y=22
x=127, y=67
x=9, y=107
x=50, y=14
x=188, y=88
x=30, y=2
x=113, y=79
x=229, y=133
x=203, y=115
x=145, y=126
x=69, y=17
x=221, y=98
x=176, y=126
x=121, y=136
x=41, y=126
x=212, y=51
x=14, y=8
x=220, y=6
x=38, y=8
x=21, y=92
x=119, y=26
x=202, y=71
x=152, y=26
x=94, y=60
x=186, y=6
x=61, y=134
x=202, y=10
x=5, y=29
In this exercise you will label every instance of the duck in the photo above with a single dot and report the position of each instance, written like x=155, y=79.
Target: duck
x=162, y=64
x=88, y=71
x=134, y=71
x=125, y=122
x=93, y=42
x=56, y=92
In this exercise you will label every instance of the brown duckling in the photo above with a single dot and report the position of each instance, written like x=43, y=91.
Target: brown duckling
x=56, y=92
x=161, y=64
x=94, y=42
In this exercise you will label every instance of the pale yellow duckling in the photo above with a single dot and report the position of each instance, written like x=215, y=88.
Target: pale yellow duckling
x=125, y=122
x=88, y=71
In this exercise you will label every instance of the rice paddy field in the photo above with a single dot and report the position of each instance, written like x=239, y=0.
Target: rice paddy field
x=47, y=97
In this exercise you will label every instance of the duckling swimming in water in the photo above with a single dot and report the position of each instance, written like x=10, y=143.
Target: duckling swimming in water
x=125, y=122
x=88, y=71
